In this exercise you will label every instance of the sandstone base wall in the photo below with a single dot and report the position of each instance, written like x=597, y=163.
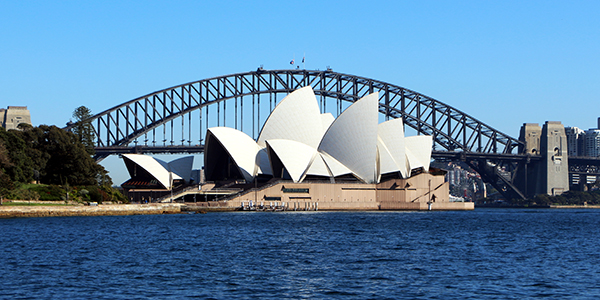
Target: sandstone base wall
x=101, y=210
x=414, y=193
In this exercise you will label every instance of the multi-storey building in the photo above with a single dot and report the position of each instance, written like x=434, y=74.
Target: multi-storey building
x=575, y=141
x=583, y=142
x=592, y=142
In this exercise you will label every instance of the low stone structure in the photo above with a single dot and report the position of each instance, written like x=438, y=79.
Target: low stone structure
x=12, y=116
x=100, y=210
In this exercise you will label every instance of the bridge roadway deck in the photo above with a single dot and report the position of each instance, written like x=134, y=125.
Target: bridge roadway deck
x=175, y=149
x=460, y=155
x=145, y=149
x=102, y=152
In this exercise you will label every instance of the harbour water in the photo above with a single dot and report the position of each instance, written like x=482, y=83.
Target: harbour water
x=481, y=254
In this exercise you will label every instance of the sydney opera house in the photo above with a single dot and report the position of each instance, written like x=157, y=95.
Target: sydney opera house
x=305, y=159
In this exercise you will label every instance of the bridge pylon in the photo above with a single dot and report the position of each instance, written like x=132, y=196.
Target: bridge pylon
x=550, y=175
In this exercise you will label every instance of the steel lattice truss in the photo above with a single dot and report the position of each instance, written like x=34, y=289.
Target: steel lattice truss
x=460, y=135
x=451, y=128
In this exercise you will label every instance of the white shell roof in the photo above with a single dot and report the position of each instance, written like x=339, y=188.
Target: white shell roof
x=154, y=167
x=386, y=162
x=391, y=138
x=162, y=163
x=310, y=143
x=296, y=117
x=241, y=148
x=182, y=167
x=327, y=119
x=418, y=151
x=295, y=156
x=262, y=162
x=352, y=138
x=335, y=167
x=319, y=168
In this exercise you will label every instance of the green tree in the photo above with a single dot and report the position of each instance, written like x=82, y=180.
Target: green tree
x=56, y=156
x=69, y=162
x=6, y=183
x=103, y=179
x=34, y=137
x=21, y=167
x=83, y=128
x=24, y=126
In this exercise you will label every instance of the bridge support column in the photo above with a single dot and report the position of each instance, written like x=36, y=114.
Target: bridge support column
x=555, y=171
x=550, y=175
x=528, y=174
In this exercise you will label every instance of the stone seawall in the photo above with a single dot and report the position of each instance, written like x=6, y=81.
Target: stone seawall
x=211, y=206
x=100, y=210
x=575, y=206
x=217, y=206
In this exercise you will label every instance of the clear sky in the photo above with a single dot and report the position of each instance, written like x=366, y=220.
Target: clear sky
x=503, y=62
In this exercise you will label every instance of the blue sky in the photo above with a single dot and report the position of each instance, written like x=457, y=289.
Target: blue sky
x=503, y=62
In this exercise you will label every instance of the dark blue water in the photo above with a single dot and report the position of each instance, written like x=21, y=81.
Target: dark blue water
x=481, y=254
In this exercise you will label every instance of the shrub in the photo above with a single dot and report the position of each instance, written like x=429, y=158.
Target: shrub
x=48, y=192
x=22, y=194
x=84, y=194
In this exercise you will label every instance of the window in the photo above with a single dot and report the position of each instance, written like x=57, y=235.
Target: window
x=295, y=190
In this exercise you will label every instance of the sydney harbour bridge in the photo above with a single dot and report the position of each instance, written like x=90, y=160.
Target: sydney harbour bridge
x=174, y=120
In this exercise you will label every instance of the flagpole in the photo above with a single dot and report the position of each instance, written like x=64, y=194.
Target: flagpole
x=303, y=57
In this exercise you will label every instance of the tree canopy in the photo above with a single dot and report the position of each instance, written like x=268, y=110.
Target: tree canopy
x=54, y=155
x=59, y=160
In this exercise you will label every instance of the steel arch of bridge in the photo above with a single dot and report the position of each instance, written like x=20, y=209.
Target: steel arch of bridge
x=451, y=128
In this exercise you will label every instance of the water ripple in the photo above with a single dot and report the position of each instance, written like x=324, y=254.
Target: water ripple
x=483, y=254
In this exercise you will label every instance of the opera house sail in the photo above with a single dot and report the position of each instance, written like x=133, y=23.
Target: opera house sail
x=297, y=142
x=152, y=173
x=303, y=157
